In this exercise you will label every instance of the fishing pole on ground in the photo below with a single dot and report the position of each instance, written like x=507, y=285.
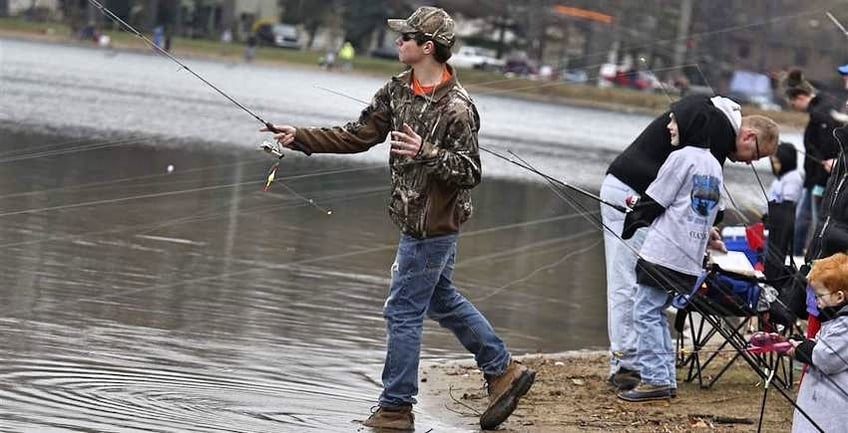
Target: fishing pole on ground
x=276, y=151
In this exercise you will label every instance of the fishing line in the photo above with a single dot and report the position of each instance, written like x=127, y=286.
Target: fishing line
x=532, y=247
x=660, y=43
x=308, y=201
x=157, y=49
x=554, y=183
x=480, y=232
x=29, y=150
x=276, y=266
x=59, y=149
x=199, y=217
x=108, y=183
x=483, y=148
x=601, y=223
x=760, y=182
x=540, y=269
x=558, y=182
x=184, y=191
x=559, y=83
x=721, y=309
x=77, y=149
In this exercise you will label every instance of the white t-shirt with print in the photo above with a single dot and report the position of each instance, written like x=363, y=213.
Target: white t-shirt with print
x=788, y=188
x=688, y=186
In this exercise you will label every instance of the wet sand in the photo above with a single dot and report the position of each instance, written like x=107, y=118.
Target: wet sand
x=571, y=395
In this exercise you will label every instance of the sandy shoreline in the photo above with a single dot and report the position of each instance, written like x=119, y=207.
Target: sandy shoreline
x=571, y=395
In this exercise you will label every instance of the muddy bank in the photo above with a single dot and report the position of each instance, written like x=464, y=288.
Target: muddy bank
x=571, y=395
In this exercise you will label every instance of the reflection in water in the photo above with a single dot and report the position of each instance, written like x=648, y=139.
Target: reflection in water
x=137, y=299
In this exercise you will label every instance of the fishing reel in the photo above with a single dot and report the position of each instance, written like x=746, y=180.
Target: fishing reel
x=272, y=148
x=763, y=342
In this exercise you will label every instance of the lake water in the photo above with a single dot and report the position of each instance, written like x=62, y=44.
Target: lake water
x=148, y=283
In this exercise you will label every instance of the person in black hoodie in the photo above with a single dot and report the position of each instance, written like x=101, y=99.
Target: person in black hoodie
x=680, y=206
x=821, y=150
x=831, y=235
x=730, y=136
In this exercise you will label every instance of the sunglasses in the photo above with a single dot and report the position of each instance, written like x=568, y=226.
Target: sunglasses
x=406, y=37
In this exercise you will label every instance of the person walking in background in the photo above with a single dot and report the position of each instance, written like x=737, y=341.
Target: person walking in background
x=733, y=137
x=346, y=55
x=435, y=162
x=159, y=36
x=820, y=150
x=843, y=71
x=822, y=394
x=250, y=47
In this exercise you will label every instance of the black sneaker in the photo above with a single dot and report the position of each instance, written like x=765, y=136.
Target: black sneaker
x=624, y=379
x=647, y=392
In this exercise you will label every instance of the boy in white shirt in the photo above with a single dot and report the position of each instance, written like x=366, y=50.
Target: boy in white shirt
x=680, y=206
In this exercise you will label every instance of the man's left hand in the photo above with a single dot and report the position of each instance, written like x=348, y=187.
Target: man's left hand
x=715, y=242
x=406, y=142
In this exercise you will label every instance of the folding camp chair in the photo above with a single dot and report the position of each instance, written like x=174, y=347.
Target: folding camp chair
x=718, y=312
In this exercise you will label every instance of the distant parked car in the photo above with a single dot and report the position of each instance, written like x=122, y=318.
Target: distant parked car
x=471, y=57
x=279, y=35
x=520, y=67
x=578, y=76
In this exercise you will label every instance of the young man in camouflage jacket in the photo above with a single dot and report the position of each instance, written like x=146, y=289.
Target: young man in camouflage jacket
x=435, y=162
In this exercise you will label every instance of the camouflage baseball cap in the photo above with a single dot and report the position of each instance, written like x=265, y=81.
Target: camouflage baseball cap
x=430, y=21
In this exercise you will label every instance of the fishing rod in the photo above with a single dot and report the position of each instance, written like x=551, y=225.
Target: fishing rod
x=525, y=166
x=837, y=23
x=156, y=48
x=559, y=183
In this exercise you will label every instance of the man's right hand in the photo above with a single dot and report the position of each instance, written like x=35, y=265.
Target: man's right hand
x=284, y=134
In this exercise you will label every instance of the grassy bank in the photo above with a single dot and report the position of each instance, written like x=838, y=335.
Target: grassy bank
x=478, y=82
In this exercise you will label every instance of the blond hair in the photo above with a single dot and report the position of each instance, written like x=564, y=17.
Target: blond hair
x=831, y=273
x=767, y=132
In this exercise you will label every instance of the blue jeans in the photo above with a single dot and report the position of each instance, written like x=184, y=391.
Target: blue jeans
x=656, y=353
x=806, y=221
x=421, y=284
x=621, y=276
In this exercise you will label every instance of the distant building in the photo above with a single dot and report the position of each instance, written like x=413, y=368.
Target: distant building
x=36, y=8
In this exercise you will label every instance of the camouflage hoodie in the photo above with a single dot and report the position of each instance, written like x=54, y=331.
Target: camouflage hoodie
x=431, y=192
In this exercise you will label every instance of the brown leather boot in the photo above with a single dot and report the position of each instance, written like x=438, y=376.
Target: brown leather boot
x=504, y=392
x=394, y=418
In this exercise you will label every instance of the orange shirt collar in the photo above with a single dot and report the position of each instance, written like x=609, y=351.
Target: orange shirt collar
x=420, y=90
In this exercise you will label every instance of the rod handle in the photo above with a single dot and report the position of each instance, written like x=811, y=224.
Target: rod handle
x=297, y=146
